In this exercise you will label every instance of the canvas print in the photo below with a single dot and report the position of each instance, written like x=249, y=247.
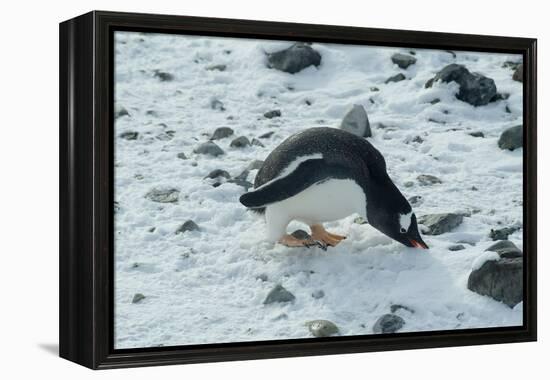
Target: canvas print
x=274, y=190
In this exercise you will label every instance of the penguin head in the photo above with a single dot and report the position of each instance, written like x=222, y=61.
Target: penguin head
x=391, y=214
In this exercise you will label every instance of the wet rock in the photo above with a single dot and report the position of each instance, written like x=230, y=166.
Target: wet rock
x=279, y=294
x=456, y=247
x=511, y=138
x=318, y=294
x=266, y=135
x=518, y=74
x=356, y=121
x=167, y=195
x=187, y=226
x=163, y=76
x=474, y=88
x=138, y=297
x=396, y=78
x=121, y=111
x=427, y=179
x=321, y=328
x=217, y=104
x=477, y=134
x=505, y=248
x=209, y=148
x=221, y=133
x=240, y=142
x=388, y=323
x=502, y=233
x=130, y=135
x=500, y=279
x=438, y=224
x=217, y=173
x=403, y=60
x=294, y=59
x=182, y=156
x=273, y=113
x=220, y=67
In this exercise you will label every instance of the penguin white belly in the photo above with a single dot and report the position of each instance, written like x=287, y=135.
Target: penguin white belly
x=323, y=202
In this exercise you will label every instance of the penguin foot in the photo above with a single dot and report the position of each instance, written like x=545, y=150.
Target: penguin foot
x=319, y=233
x=291, y=241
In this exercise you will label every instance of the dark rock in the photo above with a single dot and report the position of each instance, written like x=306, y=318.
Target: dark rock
x=240, y=142
x=256, y=142
x=396, y=78
x=388, y=323
x=435, y=101
x=120, y=111
x=356, y=121
x=217, y=104
x=456, y=247
x=502, y=233
x=474, y=88
x=262, y=277
x=218, y=173
x=301, y=234
x=418, y=139
x=221, y=133
x=394, y=308
x=427, y=179
x=169, y=195
x=182, y=156
x=272, y=114
x=500, y=279
x=209, y=148
x=321, y=328
x=505, y=248
x=255, y=165
x=279, y=294
x=518, y=74
x=440, y=223
x=163, y=76
x=374, y=89
x=415, y=200
x=318, y=294
x=130, y=135
x=476, y=134
x=220, y=67
x=511, y=138
x=187, y=226
x=403, y=60
x=294, y=59
x=266, y=135
x=138, y=297
x=151, y=113
x=432, y=120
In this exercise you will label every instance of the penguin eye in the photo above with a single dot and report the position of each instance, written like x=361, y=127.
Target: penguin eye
x=402, y=230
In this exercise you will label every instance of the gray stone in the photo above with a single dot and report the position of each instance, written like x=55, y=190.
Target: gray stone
x=502, y=233
x=221, y=133
x=356, y=121
x=279, y=294
x=138, y=297
x=396, y=78
x=440, y=223
x=266, y=135
x=187, y=226
x=217, y=173
x=273, y=113
x=500, y=279
x=511, y=138
x=182, y=156
x=130, y=135
x=240, y=142
x=209, y=148
x=168, y=195
x=220, y=67
x=318, y=294
x=403, y=60
x=427, y=179
x=388, y=323
x=456, y=247
x=518, y=74
x=217, y=104
x=415, y=200
x=476, y=134
x=120, y=111
x=505, y=248
x=294, y=59
x=163, y=76
x=321, y=328
x=474, y=88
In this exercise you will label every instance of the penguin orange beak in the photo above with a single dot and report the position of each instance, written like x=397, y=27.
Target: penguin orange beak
x=419, y=244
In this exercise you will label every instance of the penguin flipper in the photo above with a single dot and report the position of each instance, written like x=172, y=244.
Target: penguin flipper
x=308, y=173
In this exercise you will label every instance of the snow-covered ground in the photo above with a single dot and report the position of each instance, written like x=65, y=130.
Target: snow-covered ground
x=204, y=286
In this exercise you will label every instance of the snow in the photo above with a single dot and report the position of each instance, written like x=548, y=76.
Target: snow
x=204, y=286
x=483, y=258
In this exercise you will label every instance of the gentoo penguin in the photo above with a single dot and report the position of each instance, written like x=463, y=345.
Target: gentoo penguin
x=325, y=174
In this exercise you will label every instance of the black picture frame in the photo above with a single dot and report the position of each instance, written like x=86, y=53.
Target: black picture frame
x=86, y=189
